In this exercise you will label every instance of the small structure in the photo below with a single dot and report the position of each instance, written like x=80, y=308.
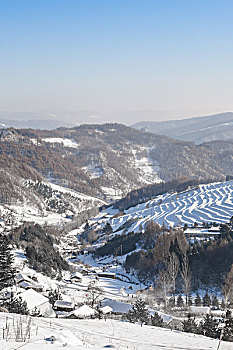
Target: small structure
x=105, y=310
x=106, y=274
x=84, y=311
x=27, y=285
x=202, y=310
x=37, y=301
x=76, y=277
x=62, y=305
x=118, y=308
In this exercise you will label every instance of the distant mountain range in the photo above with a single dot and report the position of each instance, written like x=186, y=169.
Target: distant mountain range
x=48, y=124
x=198, y=129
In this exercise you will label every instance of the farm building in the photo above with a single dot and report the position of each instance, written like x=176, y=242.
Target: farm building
x=37, y=301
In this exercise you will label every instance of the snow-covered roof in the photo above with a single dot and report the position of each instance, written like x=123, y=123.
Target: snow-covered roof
x=106, y=309
x=33, y=299
x=25, y=284
x=116, y=306
x=165, y=317
x=84, y=310
x=64, y=303
x=22, y=277
x=76, y=275
x=199, y=309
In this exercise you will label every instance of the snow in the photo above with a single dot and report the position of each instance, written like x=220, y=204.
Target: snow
x=66, y=142
x=208, y=203
x=33, y=299
x=200, y=309
x=146, y=166
x=83, y=311
x=116, y=306
x=98, y=334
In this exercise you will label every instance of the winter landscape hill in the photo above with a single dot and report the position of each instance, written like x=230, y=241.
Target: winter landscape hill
x=197, y=129
x=107, y=161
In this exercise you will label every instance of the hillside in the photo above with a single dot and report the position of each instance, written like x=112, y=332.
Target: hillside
x=107, y=161
x=208, y=203
x=198, y=129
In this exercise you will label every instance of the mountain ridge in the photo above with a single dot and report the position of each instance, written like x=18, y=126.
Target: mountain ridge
x=197, y=129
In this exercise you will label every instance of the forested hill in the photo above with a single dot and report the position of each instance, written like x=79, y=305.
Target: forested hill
x=108, y=161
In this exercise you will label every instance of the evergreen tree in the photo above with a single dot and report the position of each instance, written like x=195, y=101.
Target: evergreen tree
x=190, y=300
x=223, y=304
x=156, y=320
x=215, y=302
x=189, y=325
x=54, y=295
x=206, y=300
x=7, y=271
x=209, y=327
x=228, y=330
x=17, y=306
x=180, y=301
x=138, y=313
x=197, y=300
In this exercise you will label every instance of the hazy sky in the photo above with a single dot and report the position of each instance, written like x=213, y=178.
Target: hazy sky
x=169, y=58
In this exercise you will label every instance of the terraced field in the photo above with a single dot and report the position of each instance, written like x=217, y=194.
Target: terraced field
x=212, y=202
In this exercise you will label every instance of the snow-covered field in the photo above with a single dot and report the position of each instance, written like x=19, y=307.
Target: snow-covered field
x=100, y=334
x=208, y=203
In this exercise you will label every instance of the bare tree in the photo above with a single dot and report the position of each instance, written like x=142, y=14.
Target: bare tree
x=94, y=292
x=172, y=266
x=186, y=276
x=228, y=287
x=164, y=285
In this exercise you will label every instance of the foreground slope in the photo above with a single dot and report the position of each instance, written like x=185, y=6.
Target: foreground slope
x=99, y=334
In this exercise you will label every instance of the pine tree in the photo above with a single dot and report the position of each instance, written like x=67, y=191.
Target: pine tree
x=190, y=325
x=209, y=327
x=180, y=301
x=190, y=300
x=54, y=295
x=138, y=313
x=215, y=302
x=222, y=304
x=228, y=327
x=206, y=300
x=7, y=271
x=197, y=300
x=156, y=320
x=17, y=306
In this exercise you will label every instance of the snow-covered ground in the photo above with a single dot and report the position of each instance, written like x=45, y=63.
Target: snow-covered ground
x=40, y=208
x=100, y=334
x=66, y=142
x=208, y=203
x=146, y=166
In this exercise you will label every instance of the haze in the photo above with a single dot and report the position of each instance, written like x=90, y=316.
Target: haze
x=124, y=61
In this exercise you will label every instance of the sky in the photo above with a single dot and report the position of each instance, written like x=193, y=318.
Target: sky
x=116, y=60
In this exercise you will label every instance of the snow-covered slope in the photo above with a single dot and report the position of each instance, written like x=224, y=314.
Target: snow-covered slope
x=44, y=202
x=208, y=203
x=98, y=334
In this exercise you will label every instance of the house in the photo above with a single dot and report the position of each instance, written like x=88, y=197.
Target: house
x=105, y=309
x=37, y=301
x=62, y=305
x=28, y=285
x=199, y=309
x=106, y=274
x=76, y=277
x=118, y=307
x=84, y=311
